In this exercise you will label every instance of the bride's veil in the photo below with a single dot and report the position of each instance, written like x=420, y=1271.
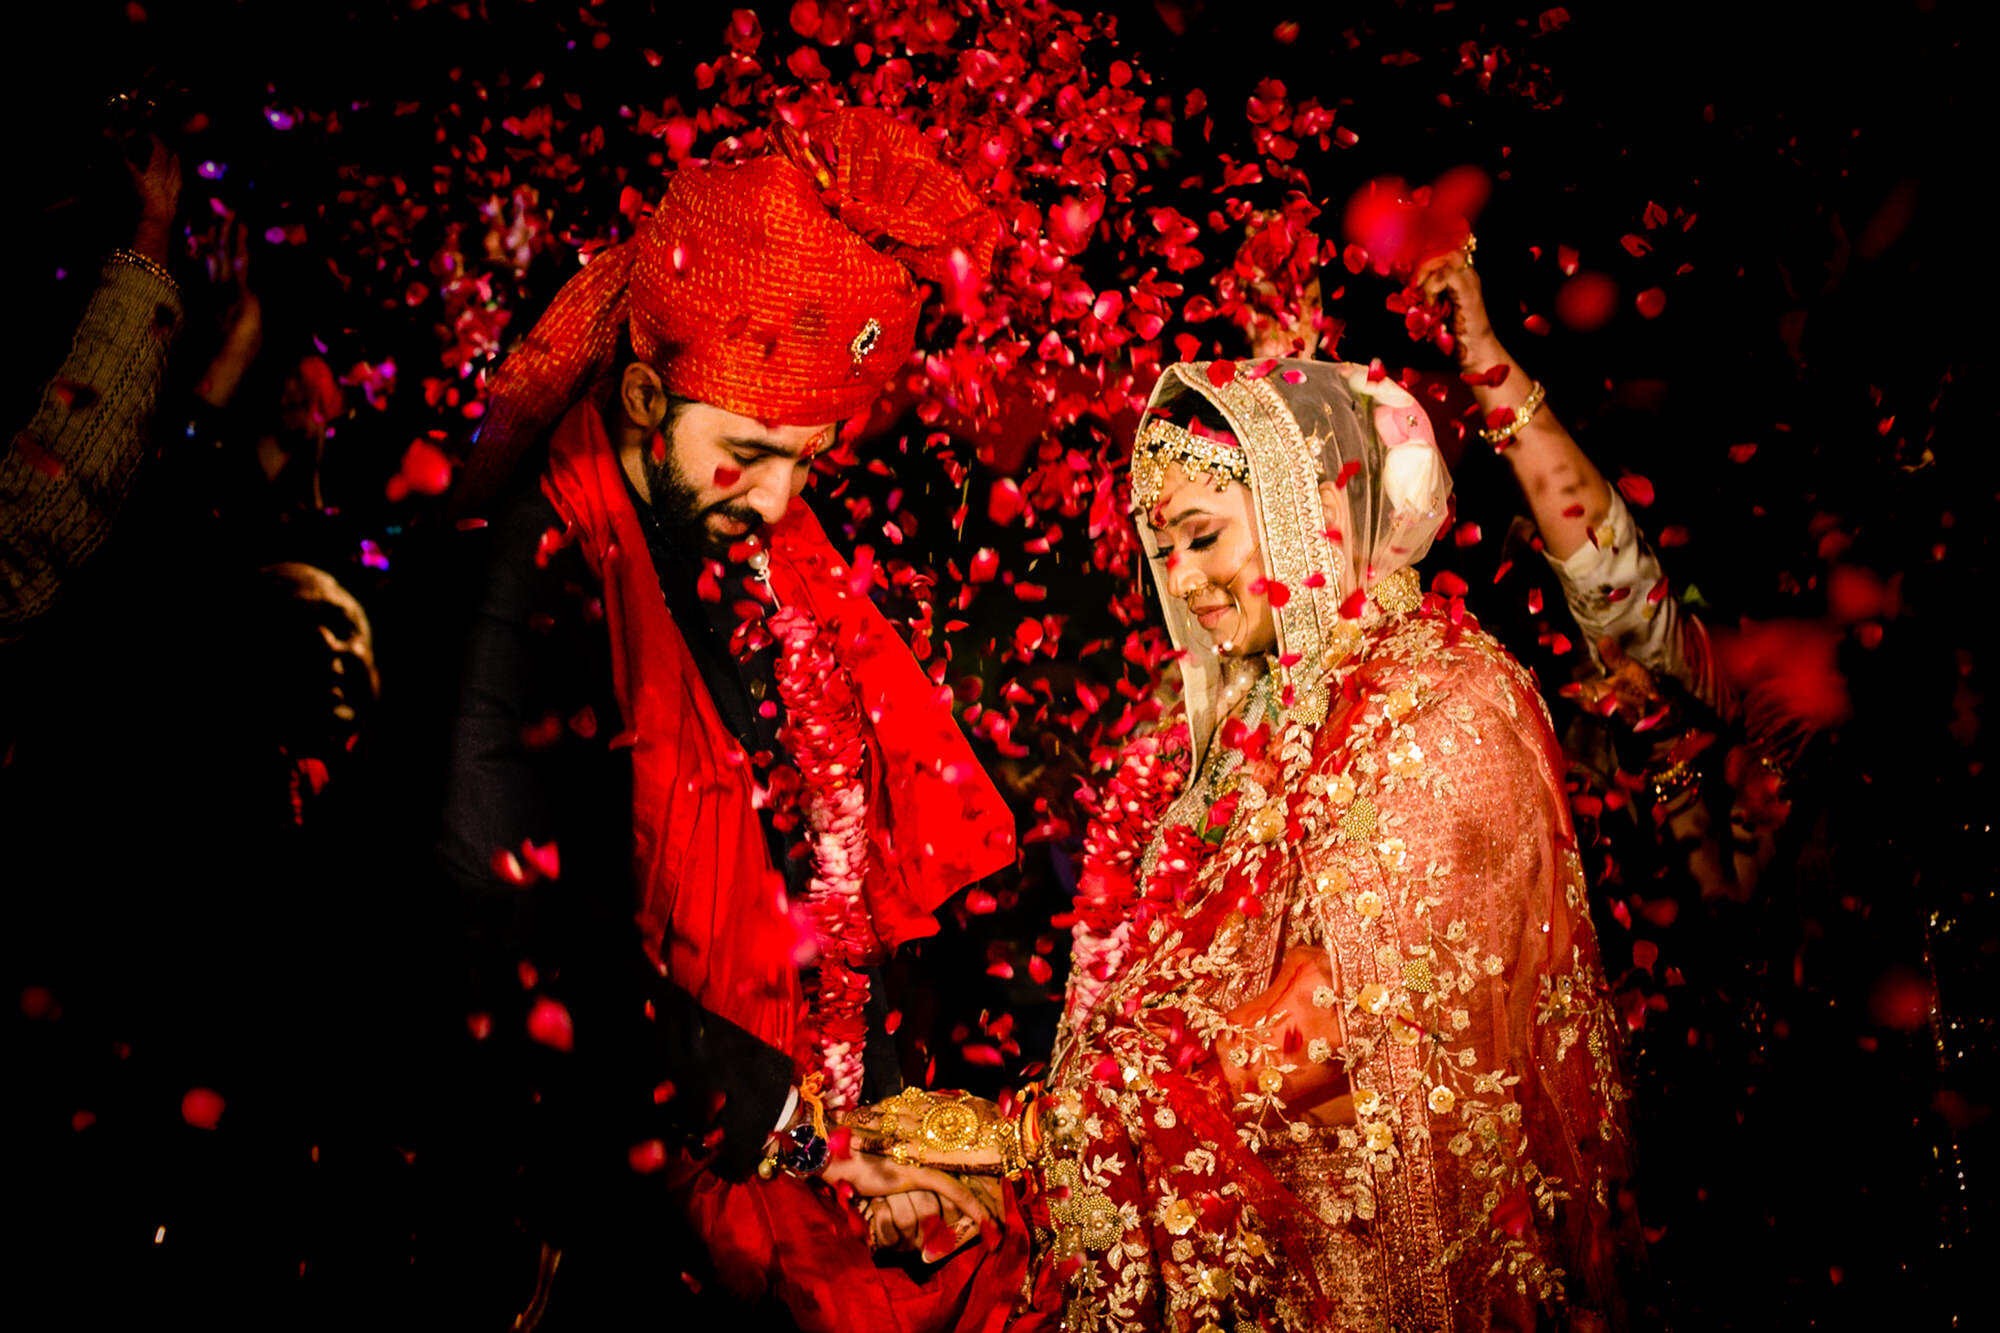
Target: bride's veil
x=1349, y=488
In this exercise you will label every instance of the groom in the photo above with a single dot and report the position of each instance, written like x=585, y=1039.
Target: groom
x=677, y=884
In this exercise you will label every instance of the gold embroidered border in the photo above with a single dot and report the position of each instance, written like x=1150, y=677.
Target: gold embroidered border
x=1284, y=472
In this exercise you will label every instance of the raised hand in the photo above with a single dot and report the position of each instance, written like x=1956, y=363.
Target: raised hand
x=158, y=182
x=1451, y=275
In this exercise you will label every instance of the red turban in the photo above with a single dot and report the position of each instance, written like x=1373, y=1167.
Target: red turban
x=782, y=288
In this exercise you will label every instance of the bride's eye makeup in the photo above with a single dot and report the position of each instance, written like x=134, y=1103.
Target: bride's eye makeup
x=1201, y=543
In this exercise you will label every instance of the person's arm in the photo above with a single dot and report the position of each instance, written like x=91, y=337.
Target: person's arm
x=242, y=323
x=1612, y=579
x=65, y=477
x=1567, y=493
x=520, y=773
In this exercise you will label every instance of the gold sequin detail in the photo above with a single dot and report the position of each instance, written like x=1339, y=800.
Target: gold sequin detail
x=1399, y=593
x=1417, y=977
x=1360, y=821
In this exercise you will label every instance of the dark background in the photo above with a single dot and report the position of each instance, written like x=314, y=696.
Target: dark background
x=1817, y=1144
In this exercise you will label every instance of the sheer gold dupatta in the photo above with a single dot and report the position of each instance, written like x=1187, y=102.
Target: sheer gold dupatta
x=1349, y=488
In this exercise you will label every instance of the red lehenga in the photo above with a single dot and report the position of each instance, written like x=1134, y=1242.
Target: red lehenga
x=1338, y=1053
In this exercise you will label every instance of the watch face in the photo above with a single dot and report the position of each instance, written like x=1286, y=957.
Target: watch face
x=811, y=1156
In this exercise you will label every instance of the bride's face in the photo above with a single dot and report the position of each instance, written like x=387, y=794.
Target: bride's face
x=1211, y=559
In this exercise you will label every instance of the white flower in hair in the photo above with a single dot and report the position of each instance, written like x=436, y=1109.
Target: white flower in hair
x=1385, y=390
x=1410, y=476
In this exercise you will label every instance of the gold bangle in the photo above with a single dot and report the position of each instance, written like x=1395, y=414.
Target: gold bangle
x=147, y=263
x=1673, y=782
x=1522, y=416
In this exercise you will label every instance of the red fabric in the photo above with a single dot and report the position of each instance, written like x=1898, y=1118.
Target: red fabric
x=752, y=287
x=795, y=1240
x=711, y=905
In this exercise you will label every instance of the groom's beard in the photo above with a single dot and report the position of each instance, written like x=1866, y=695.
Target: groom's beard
x=677, y=508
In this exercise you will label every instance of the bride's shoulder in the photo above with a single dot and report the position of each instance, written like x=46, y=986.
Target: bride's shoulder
x=1436, y=661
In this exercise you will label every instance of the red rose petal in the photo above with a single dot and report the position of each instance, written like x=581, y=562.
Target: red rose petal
x=202, y=1107
x=549, y=1024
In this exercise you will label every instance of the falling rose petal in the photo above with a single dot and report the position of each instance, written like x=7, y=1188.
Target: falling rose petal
x=1448, y=584
x=1004, y=502
x=544, y=859
x=426, y=468
x=804, y=63
x=648, y=1157
x=1644, y=954
x=1039, y=970
x=479, y=1025
x=1221, y=373
x=1742, y=453
x=1587, y=302
x=1636, y=489
x=1900, y=1000
x=1651, y=302
x=1537, y=325
x=726, y=476
x=981, y=903
x=549, y=1024
x=202, y=1107
x=1466, y=535
x=982, y=1054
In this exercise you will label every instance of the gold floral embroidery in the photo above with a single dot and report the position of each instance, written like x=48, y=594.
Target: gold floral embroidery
x=1085, y=1218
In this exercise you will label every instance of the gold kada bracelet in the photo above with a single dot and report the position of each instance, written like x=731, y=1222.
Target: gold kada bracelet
x=1523, y=414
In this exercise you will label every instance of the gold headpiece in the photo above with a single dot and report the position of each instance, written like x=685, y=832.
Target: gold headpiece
x=1162, y=444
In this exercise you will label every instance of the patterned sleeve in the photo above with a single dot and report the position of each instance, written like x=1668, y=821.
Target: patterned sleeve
x=1616, y=589
x=67, y=474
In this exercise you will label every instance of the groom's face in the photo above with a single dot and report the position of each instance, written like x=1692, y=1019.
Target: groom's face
x=715, y=477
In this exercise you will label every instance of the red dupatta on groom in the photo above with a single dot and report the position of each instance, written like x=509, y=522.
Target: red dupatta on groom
x=711, y=906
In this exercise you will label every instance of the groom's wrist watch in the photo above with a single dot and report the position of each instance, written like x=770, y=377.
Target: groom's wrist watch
x=800, y=1151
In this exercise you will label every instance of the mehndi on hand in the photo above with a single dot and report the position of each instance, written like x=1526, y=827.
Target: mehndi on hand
x=952, y=1131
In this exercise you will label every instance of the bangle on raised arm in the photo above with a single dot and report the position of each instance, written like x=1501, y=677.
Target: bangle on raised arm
x=146, y=262
x=1523, y=414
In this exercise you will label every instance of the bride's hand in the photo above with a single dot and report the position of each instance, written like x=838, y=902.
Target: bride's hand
x=962, y=1134
x=922, y=1221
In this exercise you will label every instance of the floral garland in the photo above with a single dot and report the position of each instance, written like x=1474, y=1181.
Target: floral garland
x=824, y=737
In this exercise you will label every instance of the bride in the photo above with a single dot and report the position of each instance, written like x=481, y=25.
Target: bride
x=1336, y=1052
